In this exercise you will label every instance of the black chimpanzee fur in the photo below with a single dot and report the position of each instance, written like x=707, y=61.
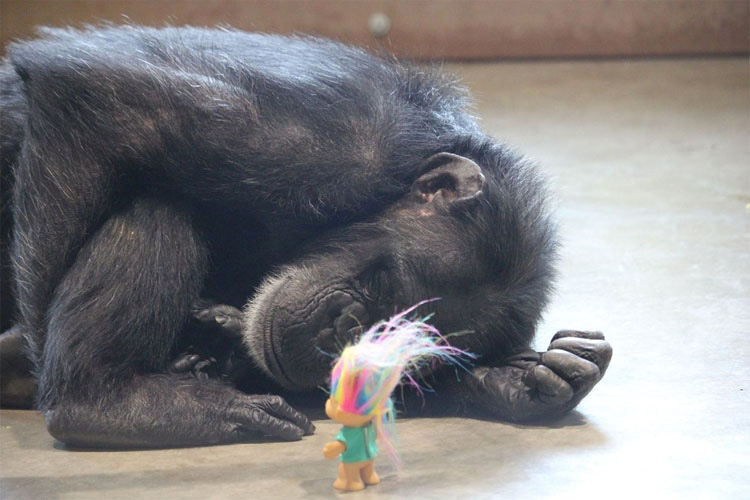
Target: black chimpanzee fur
x=151, y=167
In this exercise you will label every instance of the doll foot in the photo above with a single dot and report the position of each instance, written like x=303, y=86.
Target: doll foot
x=342, y=485
x=371, y=478
x=368, y=474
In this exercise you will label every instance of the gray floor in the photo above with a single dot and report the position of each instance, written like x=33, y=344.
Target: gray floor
x=650, y=164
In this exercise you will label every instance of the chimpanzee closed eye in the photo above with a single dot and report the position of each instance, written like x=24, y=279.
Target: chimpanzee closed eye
x=316, y=186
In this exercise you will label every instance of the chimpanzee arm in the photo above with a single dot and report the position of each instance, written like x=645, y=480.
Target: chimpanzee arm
x=524, y=387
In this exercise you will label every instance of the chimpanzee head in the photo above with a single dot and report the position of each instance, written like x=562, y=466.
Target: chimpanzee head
x=472, y=232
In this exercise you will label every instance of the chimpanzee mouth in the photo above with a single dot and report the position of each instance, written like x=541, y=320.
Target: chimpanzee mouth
x=258, y=331
x=296, y=349
x=302, y=347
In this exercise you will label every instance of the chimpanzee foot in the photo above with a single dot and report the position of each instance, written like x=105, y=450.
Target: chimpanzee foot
x=268, y=415
x=530, y=385
x=161, y=410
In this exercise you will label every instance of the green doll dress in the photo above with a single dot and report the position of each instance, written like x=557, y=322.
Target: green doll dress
x=360, y=443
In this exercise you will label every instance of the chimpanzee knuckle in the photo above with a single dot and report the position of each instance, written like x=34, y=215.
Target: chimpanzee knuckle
x=276, y=402
x=565, y=333
x=226, y=310
x=603, y=356
x=578, y=334
x=202, y=315
x=549, y=384
x=605, y=351
x=183, y=364
x=569, y=366
x=598, y=352
x=596, y=335
x=557, y=396
x=524, y=360
x=589, y=375
x=257, y=417
x=200, y=305
x=243, y=407
x=231, y=325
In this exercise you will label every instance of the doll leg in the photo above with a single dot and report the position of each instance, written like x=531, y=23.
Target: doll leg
x=368, y=474
x=349, y=479
x=340, y=482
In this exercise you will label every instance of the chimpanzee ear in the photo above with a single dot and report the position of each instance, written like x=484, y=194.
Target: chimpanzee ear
x=450, y=179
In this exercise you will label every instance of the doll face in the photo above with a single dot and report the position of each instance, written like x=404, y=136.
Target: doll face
x=344, y=417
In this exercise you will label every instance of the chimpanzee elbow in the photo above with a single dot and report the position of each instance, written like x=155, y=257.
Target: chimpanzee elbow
x=58, y=426
x=63, y=428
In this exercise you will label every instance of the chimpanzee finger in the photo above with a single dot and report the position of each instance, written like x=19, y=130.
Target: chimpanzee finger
x=201, y=303
x=254, y=419
x=184, y=363
x=230, y=324
x=550, y=387
x=578, y=372
x=276, y=427
x=525, y=360
x=578, y=334
x=277, y=406
x=203, y=310
x=596, y=351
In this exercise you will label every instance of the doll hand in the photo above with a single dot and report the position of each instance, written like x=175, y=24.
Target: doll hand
x=333, y=449
x=531, y=385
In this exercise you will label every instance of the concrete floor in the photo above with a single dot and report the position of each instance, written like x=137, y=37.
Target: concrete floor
x=650, y=163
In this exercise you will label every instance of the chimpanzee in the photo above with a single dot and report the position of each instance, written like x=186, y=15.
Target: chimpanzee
x=327, y=186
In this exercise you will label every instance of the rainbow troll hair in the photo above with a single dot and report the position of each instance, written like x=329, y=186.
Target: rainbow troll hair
x=366, y=373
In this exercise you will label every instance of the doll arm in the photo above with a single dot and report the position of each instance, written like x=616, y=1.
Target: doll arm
x=332, y=449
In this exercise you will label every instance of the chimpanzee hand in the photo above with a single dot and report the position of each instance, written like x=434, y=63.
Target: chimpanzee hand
x=228, y=318
x=533, y=385
x=213, y=348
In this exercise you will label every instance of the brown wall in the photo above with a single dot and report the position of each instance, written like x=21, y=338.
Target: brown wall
x=446, y=29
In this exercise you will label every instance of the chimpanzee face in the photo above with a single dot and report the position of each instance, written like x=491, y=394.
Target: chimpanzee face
x=429, y=245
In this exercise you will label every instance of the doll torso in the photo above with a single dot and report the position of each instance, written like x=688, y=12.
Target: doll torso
x=360, y=443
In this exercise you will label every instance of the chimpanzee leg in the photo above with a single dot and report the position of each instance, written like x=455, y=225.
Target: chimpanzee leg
x=60, y=195
x=111, y=324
